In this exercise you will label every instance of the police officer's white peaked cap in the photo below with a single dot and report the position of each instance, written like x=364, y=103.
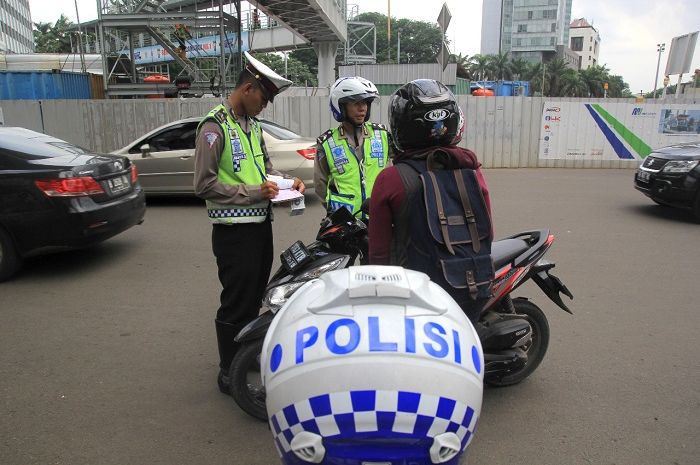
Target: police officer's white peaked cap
x=272, y=82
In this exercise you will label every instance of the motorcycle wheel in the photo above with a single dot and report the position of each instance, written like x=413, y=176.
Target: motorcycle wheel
x=246, y=381
x=535, y=349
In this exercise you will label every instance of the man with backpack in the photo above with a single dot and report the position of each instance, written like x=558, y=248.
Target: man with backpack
x=431, y=211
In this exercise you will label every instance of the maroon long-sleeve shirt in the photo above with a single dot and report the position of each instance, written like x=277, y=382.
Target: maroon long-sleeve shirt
x=389, y=195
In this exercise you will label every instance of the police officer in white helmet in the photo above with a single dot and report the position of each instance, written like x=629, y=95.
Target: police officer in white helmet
x=350, y=156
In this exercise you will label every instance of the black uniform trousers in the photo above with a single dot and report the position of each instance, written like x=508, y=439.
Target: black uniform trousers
x=243, y=254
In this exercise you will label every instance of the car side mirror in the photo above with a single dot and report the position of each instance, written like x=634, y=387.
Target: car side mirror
x=145, y=150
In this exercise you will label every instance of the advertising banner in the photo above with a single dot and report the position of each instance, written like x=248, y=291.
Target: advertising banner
x=196, y=48
x=614, y=131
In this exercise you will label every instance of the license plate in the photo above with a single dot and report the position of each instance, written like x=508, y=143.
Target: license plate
x=296, y=256
x=118, y=184
x=643, y=176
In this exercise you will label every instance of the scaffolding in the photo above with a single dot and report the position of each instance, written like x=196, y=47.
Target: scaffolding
x=198, y=41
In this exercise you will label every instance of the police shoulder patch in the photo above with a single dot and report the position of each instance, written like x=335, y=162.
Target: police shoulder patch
x=220, y=116
x=324, y=137
x=379, y=126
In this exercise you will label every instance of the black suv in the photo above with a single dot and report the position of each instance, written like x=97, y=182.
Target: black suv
x=671, y=176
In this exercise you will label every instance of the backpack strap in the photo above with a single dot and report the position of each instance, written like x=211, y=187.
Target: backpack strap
x=468, y=212
x=441, y=212
x=409, y=177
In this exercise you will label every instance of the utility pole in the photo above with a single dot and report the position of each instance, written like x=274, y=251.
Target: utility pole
x=398, y=49
x=80, y=42
x=660, y=48
x=544, y=67
x=388, y=29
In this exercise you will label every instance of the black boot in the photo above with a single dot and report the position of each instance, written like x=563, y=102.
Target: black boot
x=225, y=334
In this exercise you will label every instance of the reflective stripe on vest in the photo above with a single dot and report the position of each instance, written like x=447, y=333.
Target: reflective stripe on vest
x=353, y=183
x=242, y=162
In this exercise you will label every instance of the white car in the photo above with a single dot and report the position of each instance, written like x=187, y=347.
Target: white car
x=165, y=156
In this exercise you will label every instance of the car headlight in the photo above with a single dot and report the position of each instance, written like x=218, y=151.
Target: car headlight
x=278, y=295
x=319, y=270
x=680, y=166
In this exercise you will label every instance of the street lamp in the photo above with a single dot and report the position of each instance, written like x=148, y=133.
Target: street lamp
x=659, y=48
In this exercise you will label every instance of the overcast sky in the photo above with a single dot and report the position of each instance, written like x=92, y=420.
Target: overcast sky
x=629, y=29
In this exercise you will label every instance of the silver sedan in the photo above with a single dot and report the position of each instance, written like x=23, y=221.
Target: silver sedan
x=164, y=157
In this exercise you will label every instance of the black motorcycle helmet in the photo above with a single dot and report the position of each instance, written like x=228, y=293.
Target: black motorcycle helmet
x=423, y=113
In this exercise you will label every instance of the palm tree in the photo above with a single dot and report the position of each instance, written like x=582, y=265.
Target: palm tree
x=573, y=85
x=594, y=77
x=500, y=66
x=519, y=68
x=537, y=74
x=480, y=67
x=464, y=63
x=556, y=69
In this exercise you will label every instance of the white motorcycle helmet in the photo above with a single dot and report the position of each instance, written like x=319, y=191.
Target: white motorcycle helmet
x=372, y=365
x=351, y=89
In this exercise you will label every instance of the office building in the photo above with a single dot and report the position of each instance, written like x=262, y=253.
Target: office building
x=585, y=41
x=529, y=29
x=15, y=27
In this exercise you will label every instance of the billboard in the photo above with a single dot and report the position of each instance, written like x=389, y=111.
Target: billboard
x=681, y=54
x=202, y=47
x=614, y=131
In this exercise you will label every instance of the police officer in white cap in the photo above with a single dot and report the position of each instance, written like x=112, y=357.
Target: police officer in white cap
x=231, y=169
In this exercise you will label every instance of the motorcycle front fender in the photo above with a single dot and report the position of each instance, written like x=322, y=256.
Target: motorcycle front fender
x=551, y=285
x=256, y=329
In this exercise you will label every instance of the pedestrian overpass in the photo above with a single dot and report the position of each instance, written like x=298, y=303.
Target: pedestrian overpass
x=151, y=31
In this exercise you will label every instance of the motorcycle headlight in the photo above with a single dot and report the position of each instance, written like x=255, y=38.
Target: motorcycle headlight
x=319, y=270
x=680, y=166
x=278, y=295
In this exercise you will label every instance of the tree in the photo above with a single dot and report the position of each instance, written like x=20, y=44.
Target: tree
x=555, y=71
x=573, y=85
x=420, y=40
x=519, y=68
x=307, y=56
x=595, y=77
x=53, y=39
x=297, y=72
x=500, y=66
x=617, y=87
x=463, y=65
x=480, y=67
x=538, y=77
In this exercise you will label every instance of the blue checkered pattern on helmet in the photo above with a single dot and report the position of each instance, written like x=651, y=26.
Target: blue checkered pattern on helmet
x=370, y=413
x=237, y=212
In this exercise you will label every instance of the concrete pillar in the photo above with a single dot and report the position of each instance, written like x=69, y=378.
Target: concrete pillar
x=326, y=51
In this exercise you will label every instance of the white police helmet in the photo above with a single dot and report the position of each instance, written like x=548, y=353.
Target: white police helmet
x=372, y=364
x=351, y=89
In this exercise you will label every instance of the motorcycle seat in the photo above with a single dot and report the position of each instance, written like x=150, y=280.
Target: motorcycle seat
x=506, y=250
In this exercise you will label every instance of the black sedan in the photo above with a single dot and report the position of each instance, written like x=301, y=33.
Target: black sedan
x=671, y=176
x=55, y=195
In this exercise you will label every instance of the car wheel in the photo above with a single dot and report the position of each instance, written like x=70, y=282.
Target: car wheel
x=10, y=260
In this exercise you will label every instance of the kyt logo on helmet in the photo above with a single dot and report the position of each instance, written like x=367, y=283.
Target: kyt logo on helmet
x=437, y=115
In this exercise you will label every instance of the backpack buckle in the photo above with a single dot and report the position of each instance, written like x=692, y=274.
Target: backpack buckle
x=471, y=285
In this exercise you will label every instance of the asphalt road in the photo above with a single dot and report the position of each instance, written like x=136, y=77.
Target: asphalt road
x=109, y=354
